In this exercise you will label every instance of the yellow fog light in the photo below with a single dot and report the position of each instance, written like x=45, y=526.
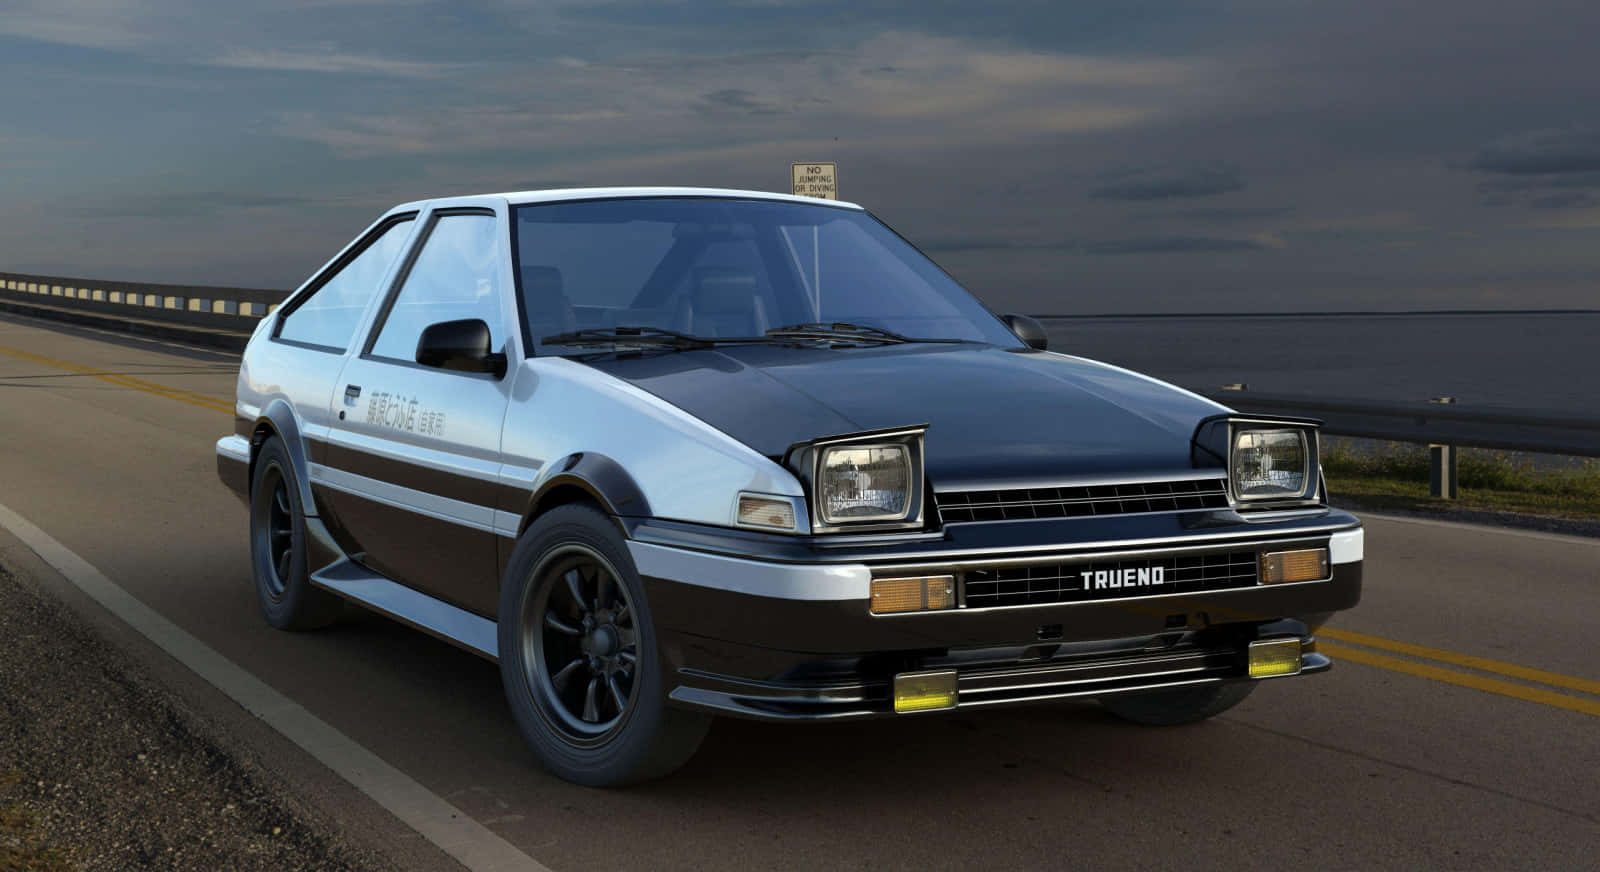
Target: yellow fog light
x=1274, y=657
x=924, y=691
x=1308, y=565
x=913, y=594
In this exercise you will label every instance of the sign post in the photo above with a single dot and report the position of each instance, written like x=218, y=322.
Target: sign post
x=815, y=180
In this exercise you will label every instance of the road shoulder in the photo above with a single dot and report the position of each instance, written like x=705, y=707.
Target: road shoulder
x=128, y=760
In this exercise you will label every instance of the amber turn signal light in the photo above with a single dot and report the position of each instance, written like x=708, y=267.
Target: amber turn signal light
x=1308, y=565
x=926, y=593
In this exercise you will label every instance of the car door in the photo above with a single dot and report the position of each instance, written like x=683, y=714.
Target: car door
x=414, y=453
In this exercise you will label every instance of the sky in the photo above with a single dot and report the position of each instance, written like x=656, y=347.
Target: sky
x=1057, y=157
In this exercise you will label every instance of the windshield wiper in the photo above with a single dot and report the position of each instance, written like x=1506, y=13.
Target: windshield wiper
x=845, y=330
x=630, y=336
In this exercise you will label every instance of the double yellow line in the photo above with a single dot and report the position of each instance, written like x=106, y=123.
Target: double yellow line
x=121, y=380
x=1417, y=667
x=1463, y=679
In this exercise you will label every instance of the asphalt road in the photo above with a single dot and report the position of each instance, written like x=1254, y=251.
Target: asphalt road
x=1409, y=754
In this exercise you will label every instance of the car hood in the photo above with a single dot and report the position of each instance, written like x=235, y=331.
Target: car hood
x=992, y=414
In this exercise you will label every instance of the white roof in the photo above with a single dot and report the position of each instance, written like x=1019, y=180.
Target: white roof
x=518, y=198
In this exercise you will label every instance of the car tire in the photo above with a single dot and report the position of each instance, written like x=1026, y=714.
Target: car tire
x=278, y=547
x=1180, y=705
x=579, y=656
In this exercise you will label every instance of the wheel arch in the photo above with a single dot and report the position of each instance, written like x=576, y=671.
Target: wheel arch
x=278, y=419
x=587, y=476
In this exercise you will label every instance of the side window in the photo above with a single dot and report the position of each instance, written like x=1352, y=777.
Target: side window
x=456, y=275
x=329, y=317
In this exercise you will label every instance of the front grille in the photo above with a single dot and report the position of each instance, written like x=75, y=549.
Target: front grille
x=1078, y=502
x=1064, y=582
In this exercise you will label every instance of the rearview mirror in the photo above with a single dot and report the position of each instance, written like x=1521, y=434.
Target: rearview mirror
x=1031, y=332
x=460, y=345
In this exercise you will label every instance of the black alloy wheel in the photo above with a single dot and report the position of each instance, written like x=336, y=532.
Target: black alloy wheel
x=279, y=533
x=581, y=650
x=579, y=658
x=278, y=554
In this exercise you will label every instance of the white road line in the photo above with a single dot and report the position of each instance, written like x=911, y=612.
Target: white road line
x=1479, y=528
x=469, y=842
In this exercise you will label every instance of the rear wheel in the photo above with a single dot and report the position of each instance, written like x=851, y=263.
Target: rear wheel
x=578, y=656
x=1179, y=705
x=278, y=547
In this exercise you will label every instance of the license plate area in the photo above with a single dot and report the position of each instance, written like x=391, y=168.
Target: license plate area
x=1097, y=579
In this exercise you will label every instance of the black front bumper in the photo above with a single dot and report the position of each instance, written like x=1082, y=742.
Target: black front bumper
x=994, y=677
x=776, y=658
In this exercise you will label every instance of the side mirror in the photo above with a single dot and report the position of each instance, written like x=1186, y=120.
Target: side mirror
x=1031, y=332
x=459, y=345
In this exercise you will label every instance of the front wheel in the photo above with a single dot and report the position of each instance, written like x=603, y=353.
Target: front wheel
x=1179, y=705
x=578, y=656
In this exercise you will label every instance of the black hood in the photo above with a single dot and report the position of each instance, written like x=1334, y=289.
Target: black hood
x=993, y=415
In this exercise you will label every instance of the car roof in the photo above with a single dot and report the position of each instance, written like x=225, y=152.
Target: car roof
x=519, y=198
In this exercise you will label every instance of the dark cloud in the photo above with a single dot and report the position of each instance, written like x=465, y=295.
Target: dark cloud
x=978, y=244
x=1171, y=184
x=739, y=100
x=193, y=205
x=1565, y=200
x=1241, y=214
x=1173, y=245
x=1542, y=152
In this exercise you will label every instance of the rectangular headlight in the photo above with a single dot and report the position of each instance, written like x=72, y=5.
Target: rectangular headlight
x=1270, y=464
x=864, y=483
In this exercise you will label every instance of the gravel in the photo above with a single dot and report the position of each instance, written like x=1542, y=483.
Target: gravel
x=101, y=768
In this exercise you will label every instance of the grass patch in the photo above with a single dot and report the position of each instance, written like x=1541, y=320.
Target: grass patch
x=1395, y=475
x=20, y=850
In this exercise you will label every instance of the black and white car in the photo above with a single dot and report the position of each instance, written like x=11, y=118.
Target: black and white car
x=666, y=454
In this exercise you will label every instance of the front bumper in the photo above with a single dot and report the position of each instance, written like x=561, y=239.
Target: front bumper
x=797, y=640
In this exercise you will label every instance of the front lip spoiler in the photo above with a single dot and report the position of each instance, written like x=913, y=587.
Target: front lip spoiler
x=977, y=688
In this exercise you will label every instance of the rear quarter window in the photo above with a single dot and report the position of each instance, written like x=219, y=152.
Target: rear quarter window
x=329, y=316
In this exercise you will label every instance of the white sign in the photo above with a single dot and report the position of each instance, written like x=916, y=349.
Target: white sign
x=815, y=180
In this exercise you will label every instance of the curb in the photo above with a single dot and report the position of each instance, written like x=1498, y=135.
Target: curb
x=225, y=339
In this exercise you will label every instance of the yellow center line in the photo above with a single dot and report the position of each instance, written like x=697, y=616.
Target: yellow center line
x=1484, y=664
x=125, y=381
x=1462, y=679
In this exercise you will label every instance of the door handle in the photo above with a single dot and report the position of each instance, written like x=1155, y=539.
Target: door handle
x=352, y=392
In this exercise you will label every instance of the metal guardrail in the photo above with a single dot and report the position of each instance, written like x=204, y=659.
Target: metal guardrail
x=1432, y=423
x=231, y=309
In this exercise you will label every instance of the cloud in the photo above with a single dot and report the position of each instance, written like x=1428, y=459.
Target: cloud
x=190, y=205
x=1134, y=245
x=1551, y=169
x=1239, y=214
x=1542, y=152
x=327, y=59
x=1140, y=185
x=1175, y=245
x=739, y=100
x=907, y=91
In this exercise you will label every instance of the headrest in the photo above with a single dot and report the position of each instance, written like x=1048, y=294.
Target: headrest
x=541, y=281
x=721, y=289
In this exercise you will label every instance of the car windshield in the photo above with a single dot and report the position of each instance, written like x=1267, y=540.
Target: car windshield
x=701, y=268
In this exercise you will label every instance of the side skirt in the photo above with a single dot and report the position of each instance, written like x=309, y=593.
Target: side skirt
x=370, y=590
